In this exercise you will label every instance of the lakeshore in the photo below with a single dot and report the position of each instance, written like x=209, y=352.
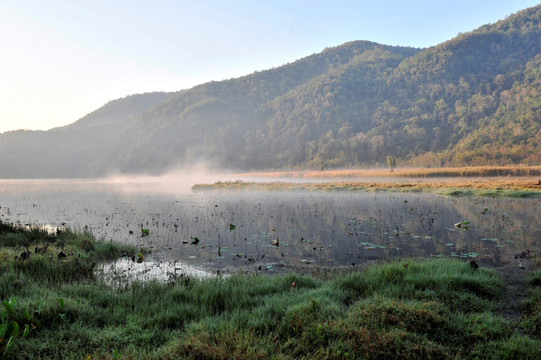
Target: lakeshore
x=406, y=308
x=476, y=181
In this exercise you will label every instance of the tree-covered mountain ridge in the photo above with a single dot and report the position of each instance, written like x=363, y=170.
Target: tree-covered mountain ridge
x=473, y=100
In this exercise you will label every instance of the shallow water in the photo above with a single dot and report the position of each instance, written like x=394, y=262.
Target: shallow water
x=235, y=229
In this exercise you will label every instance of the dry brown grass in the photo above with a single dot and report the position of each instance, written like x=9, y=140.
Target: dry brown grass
x=521, y=181
x=521, y=187
x=471, y=171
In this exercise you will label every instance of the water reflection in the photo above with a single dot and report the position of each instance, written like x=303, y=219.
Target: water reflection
x=123, y=272
x=238, y=229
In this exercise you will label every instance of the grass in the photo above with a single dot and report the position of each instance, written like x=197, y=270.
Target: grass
x=422, y=309
x=483, y=187
x=465, y=171
x=493, y=181
x=532, y=317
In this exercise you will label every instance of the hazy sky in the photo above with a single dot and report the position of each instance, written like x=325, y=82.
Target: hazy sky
x=61, y=59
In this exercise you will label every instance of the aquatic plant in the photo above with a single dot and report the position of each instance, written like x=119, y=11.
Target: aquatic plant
x=9, y=328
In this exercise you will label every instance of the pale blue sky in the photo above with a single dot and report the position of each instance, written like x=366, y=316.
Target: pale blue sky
x=60, y=60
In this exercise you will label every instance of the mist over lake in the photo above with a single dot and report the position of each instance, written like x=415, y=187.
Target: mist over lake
x=236, y=229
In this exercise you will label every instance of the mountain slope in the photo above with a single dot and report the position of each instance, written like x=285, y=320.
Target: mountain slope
x=81, y=149
x=219, y=121
x=472, y=100
x=431, y=101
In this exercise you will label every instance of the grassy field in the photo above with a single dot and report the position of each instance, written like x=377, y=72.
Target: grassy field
x=466, y=171
x=480, y=181
x=54, y=308
x=479, y=187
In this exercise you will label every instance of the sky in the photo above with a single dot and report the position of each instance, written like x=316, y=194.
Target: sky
x=60, y=60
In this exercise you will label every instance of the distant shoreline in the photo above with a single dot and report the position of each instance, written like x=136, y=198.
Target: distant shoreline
x=464, y=171
x=477, y=181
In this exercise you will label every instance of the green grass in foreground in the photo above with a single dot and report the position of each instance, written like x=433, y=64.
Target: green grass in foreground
x=432, y=309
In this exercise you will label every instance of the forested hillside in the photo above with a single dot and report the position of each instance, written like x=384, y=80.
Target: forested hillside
x=473, y=100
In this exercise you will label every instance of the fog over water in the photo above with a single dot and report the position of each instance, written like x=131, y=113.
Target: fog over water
x=261, y=229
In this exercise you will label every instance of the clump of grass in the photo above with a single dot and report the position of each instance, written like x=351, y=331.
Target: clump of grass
x=13, y=236
x=534, y=280
x=515, y=347
x=453, y=282
x=35, y=255
x=531, y=321
x=456, y=192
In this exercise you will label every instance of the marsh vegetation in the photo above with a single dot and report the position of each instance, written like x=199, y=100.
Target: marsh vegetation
x=275, y=229
x=439, y=308
x=355, y=274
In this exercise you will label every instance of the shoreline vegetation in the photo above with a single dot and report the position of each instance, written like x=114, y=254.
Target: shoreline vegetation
x=54, y=307
x=479, y=181
x=465, y=171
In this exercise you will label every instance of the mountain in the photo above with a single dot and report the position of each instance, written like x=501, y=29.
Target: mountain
x=472, y=100
x=81, y=149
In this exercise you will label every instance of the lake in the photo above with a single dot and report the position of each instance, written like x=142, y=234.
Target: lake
x=219, y=230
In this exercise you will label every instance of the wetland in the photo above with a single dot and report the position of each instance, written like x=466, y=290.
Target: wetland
x=102, y=269
x=235, y=229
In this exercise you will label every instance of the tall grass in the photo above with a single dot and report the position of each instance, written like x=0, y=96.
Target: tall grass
x=465, y=171
x=409, y=309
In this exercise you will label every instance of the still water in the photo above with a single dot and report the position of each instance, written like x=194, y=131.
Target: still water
x=236, y=229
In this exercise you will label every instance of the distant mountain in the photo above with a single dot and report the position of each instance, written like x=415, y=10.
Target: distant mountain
x=472, y=100
x=82, y=149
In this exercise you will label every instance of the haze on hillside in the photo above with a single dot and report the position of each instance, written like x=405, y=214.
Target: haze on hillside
x=471, y=100
x=62, y=60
